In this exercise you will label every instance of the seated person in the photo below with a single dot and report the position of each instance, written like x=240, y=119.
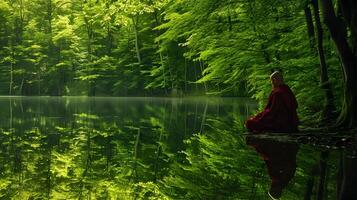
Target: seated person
x=279, y=114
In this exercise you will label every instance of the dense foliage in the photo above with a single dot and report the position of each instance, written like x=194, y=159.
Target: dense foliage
x=161, y=47
x=97, y=150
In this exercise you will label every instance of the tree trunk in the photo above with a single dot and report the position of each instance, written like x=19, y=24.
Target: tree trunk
x=39, y=82
x=22, y=85
x=309, y=188
x=136, y=149
x=348, y=57
x=89, y=29
x=185, y=76
x=310, y=26
x=137, y=48
x=203, y=122
x=11, y=70
x=157, y=23
x=329, y=106
x=204, y=82
x=323, y=168
x=339, y=176
x=349, y=181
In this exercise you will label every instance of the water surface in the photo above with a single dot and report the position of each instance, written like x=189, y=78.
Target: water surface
x=150, y=148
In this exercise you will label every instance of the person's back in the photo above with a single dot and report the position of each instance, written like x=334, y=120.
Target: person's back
x=279, y=114
x=283, y=114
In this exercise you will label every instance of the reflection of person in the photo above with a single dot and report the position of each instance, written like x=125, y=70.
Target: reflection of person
x=279, y=114
x=280, y=159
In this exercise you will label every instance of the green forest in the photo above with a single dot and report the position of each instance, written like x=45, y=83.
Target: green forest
x=183, y=48
x=149, y=99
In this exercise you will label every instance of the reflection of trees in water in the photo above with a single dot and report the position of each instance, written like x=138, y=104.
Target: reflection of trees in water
x=191, y=150
x=347, y=179
x=86, y=154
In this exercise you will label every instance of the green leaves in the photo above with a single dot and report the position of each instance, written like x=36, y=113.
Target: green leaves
x=160, y=47
x=64, y=32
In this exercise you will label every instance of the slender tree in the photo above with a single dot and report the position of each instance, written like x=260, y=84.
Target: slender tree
x=329, y=105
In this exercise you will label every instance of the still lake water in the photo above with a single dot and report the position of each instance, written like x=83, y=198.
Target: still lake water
x=150, y=148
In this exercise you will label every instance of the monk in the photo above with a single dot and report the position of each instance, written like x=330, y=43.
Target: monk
x=279, y=114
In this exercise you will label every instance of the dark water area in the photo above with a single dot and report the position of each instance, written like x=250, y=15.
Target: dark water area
x=157, y=148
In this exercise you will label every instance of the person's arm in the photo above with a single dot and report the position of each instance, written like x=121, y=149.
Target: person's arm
x=258, y=116
x=262, y=113
x=277, y=101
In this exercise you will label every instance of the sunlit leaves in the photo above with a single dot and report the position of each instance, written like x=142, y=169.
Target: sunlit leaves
x=64, y=32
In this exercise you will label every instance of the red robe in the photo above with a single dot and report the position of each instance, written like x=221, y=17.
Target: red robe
x=279, y=114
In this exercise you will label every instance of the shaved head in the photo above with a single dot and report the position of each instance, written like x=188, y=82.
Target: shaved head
x=276, y=79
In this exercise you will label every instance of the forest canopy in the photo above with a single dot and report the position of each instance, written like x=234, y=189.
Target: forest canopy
x=182, y=47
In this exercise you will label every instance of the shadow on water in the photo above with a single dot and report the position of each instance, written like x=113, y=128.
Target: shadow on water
x=158, y=148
